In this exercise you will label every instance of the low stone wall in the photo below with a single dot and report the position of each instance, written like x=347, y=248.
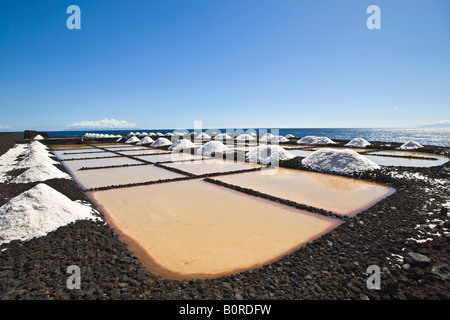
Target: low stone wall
x=8, y=139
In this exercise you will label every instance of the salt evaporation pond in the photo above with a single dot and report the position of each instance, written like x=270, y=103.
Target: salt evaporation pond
x=300, y=153
x=407, y=162
x=341, y=195
x=174, y=156
x=359, y=150
x=194, y=229
x=93, y=163
x=142, y=151
x=116, y=145
x=405, y=154
x=61, y=156
x=116, y=176
x=207, y=166
x=131, y=148
x=73, y=147
x=245, y=148
x=84, y=151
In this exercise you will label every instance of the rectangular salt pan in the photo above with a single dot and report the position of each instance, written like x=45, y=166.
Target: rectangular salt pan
x=93, y=163
x=118, y=176
x=340, y=195
x=142, y=151
x=174, y=156
x=193, y=229
x=60, y=155
x=300, y=153
x=199, y=167
x=69, y=147
x=407, y=162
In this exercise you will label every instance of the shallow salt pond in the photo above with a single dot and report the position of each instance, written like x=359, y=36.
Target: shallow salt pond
x=199, y=167
x=300, y=153
x=244, y=148
x=69, y=147
x=125, y=148
x=142, y=151
x=340, y=195
x=175, y=156
x=359, y=150
x=194, y=229
x=407, y=162
x=63, y=155
x=405, y=154
x=114, y=145
x=92, y=163
x=289, y=146
x=115, y=176
x=84, y=151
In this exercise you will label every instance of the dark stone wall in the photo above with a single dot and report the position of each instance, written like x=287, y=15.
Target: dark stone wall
x=30, y=134
x=8, y=139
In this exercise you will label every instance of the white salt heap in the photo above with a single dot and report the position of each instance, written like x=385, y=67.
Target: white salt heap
x=182, y=144
x=266, y=136
x=313, y=140
x=213, y=147
x=161, y=142
x=38, y=137
x=133, y=139
x=338, y=161
x=289, y=136
x=410, y=145
x=38, y=145
x=34, y=157
x=203, y=136
x=358, y=143
x=245, y=137
x=8, y=160
x=37, y=212
x=41, y=172
x=146, y=140
x=268, y=154
x=223, y=136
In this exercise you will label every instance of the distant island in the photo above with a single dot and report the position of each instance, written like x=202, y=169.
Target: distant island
x=437, y=125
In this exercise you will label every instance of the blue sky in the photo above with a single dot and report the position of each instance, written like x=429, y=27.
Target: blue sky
x=233, y=63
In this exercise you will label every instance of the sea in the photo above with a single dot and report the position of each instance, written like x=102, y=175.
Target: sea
x=425, y=136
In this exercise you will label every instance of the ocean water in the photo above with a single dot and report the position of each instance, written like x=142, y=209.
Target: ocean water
x=426, y=136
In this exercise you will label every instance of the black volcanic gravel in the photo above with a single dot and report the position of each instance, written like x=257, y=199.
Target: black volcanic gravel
x=332, y=267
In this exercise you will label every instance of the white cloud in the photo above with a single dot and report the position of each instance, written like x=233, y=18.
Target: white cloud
x=5, y=127
x=105, y=123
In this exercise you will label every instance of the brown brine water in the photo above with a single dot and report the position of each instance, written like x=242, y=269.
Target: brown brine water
x=199, y=167
x=341, y=195
x=116, y=176
x=194, y=229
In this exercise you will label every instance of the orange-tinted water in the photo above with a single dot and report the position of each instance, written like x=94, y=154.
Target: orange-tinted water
x=174, y=156
x=206, y=166
x=340, y=195
x=115, y=176
x=193, y=229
